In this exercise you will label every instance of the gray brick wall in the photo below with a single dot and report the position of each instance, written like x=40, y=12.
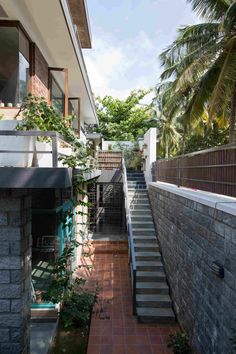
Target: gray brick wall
x=192, y=236
x=15, y=271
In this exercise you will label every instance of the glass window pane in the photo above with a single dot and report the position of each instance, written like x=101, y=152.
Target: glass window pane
x=58, y=97
x=9, y=65
x=73, y=111
x=14, y=66
x=23, y=66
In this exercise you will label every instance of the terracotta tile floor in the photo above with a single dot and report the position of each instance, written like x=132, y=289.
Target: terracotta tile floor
x=114, y=330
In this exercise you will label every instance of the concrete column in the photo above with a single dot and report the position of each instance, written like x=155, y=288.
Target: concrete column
x=149, y=152
x=15, y=271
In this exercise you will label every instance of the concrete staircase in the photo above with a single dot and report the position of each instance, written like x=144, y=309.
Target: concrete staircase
x=153, y=302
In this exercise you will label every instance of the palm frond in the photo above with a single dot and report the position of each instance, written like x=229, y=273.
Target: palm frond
x=226, y=82
x=203, y=91
x=190, y=39
x=210, y=9
x=229, y=23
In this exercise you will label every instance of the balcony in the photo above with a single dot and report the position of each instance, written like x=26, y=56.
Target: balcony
x=26, y=162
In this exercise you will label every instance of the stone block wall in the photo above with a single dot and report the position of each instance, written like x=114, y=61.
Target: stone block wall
x=15, y=270
x=192, y=236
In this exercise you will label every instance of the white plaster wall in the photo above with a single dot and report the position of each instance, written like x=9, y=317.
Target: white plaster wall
x=15, y=143
x=149, y=153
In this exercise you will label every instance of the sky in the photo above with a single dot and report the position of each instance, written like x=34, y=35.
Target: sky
x=127, y=38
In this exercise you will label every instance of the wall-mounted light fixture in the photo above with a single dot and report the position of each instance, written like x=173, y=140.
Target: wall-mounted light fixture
x=217, y=269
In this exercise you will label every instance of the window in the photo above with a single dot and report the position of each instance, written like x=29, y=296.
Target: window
x=74, y=112
x=58, y=97
x=14, y=66
x=58, y=88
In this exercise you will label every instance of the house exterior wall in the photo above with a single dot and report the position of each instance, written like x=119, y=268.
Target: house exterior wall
x=192, y=236
x=15, y=271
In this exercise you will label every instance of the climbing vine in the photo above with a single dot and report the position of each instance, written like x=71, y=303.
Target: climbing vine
x=76, y=303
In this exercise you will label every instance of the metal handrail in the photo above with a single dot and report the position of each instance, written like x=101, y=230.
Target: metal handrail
x=130, y=235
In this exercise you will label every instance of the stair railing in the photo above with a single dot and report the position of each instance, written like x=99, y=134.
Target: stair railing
x=132, y=261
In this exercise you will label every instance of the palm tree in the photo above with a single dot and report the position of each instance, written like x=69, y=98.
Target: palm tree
x=167, y=134
x=202, y=63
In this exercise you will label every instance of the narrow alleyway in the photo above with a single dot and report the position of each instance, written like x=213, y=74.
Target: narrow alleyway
x=114, y=330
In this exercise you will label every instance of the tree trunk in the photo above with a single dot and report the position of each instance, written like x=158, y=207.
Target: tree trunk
x=166, y=151
x=232, y=118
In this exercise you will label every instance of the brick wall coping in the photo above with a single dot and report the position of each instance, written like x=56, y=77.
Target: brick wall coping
x=217, y=201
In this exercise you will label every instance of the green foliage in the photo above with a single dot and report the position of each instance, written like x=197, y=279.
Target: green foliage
x=123, y=119
x=212, y=137
x=61, y=283
x=201, y=67
x=77, y=309
x=76, y=304
x=179, y=343
x=38, y=115
x=132, y=155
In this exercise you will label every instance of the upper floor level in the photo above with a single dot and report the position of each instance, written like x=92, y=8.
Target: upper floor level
x=41, y=52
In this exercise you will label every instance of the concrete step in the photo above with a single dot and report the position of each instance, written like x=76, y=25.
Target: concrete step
x=149, y=266
x=145, y=217
x=143, y=224
x=136, y=174
x=138, y=179
x=141, y=201
x=152, y=288
x=142, y=238
x=138, y=193
x=146, y=247
x=136, y=182
x=147, y=256
x=155, y=315
x=140, y=206
x=135, y=218
x=156, y=300
x=150, y=276
x=134, y=188
x=142, y=212
x=143, y=231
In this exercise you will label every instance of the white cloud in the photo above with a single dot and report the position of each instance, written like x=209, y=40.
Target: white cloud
x=117, y=67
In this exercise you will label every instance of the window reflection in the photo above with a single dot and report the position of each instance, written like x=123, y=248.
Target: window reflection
x=14, y=66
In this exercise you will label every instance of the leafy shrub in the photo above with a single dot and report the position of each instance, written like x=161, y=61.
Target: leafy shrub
x=179, y=343
x=77, y=308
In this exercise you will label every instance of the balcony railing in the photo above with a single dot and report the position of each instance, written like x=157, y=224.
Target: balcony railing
x=19, y=148
x=212, y=170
